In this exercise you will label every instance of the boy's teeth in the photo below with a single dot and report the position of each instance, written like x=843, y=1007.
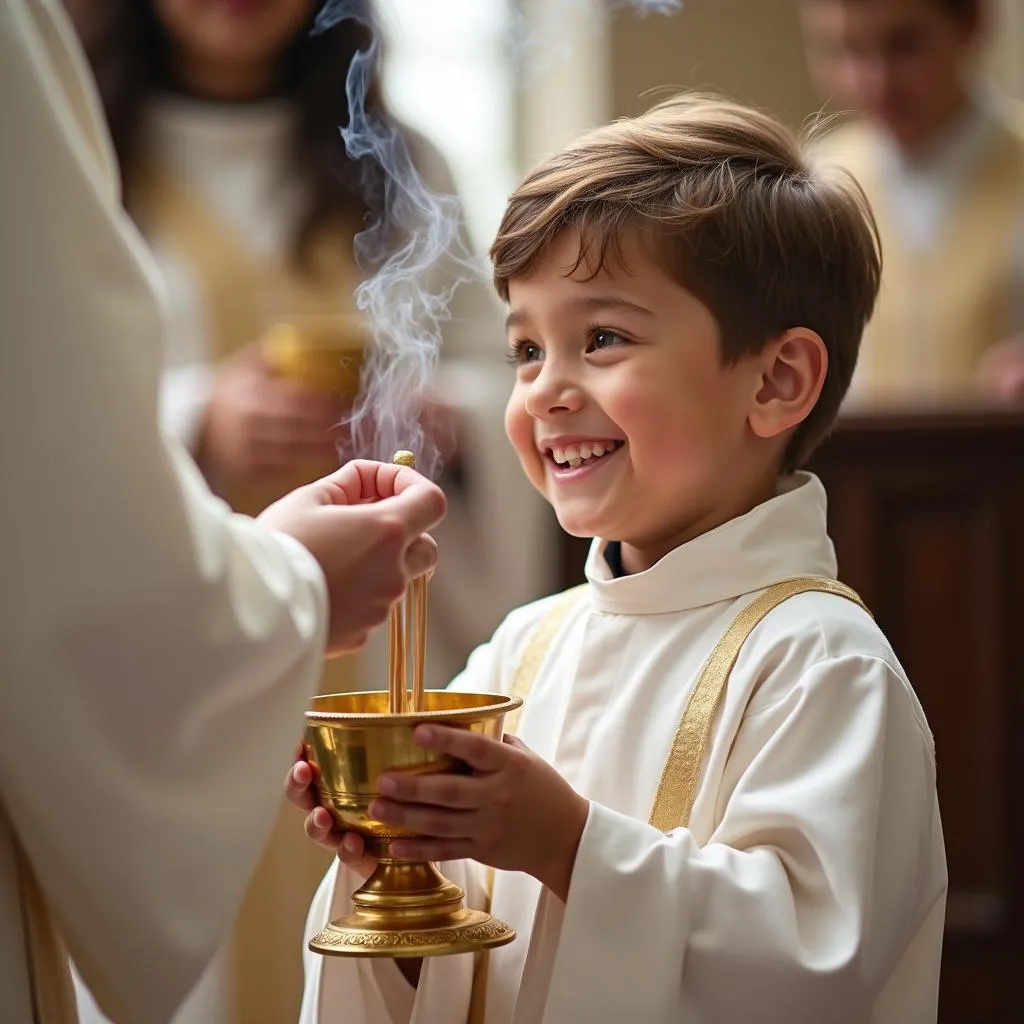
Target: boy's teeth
x=576, y=454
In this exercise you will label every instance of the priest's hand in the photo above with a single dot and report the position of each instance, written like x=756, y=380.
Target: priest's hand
x=320, y=827
x=514, y=812
x=365, y=524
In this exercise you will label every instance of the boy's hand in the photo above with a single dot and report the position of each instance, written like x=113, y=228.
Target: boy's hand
x=299, y=790
x=514, y=811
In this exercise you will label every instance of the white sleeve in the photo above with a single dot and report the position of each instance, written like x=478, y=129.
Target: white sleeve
x=156, y=651
x=186, y=384
x=826, y=860
x=184, y=397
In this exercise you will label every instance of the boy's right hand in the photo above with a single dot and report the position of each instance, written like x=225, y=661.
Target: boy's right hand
x=300, y=791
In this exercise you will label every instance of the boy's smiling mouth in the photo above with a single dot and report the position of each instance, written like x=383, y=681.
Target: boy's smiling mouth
x=565, y=455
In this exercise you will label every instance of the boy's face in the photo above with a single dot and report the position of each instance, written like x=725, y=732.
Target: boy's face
x=902, y=63
x=627, y=363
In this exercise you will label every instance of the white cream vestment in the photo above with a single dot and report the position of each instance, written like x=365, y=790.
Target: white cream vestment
x=810, y=884
x=156, y=652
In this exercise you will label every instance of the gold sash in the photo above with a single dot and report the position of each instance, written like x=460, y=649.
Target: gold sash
x=680, y=779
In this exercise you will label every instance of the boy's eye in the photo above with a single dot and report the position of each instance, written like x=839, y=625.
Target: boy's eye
x=521, y=352
x=601, y=338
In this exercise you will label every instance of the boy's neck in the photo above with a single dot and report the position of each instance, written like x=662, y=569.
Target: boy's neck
x=634, y=558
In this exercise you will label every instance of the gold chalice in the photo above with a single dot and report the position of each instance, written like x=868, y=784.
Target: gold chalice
x=322, y=351
x=405, y=908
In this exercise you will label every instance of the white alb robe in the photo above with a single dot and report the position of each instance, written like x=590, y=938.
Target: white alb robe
x=156, y=652
x=810, y=884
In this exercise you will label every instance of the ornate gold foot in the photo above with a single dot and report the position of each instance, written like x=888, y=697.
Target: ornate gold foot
x=409, y=909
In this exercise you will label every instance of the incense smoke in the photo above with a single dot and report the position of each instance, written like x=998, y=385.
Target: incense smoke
x=414, y=252
x=414, y=256
x=537, y=46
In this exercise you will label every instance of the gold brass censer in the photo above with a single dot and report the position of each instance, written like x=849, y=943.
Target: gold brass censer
x=405, y=908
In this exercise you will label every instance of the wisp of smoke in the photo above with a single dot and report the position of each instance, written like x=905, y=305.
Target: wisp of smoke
x=414, y=256
x=413, y=252
x=538, y=43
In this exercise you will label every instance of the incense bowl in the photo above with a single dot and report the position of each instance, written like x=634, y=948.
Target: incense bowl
x=405, y=908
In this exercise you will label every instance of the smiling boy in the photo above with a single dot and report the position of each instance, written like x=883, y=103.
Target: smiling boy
x=720, y=802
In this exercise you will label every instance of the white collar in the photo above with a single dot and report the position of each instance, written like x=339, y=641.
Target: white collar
x=784, y=537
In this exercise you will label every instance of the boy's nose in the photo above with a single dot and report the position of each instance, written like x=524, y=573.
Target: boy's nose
x=551, y=393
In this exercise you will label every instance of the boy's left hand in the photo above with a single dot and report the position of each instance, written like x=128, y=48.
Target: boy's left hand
x=514, y=812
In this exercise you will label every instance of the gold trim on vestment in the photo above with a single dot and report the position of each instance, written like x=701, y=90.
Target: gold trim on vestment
x=680, y=779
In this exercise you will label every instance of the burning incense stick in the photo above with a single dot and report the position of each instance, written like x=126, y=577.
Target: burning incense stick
x=396, y=678
x=419, y=588
x=407, y=636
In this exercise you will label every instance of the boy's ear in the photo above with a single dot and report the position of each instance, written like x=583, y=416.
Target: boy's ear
x=793, y=370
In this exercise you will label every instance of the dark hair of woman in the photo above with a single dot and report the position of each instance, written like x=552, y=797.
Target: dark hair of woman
x=129, y=54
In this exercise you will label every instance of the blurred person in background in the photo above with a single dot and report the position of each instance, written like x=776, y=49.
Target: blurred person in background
x=225, y=118
x=940, y=155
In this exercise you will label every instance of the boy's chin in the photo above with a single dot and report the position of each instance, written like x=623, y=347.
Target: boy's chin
x=578, y=526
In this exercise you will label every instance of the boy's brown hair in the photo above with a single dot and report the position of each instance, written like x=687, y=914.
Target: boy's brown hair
x=733, y=210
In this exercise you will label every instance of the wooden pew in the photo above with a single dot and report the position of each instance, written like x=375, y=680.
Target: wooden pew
x=927, y=514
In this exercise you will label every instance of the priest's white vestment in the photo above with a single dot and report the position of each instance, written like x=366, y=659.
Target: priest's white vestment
x=156, y=651
x=810, y=883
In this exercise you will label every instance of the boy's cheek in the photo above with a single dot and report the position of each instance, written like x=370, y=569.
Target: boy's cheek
x=520, y=434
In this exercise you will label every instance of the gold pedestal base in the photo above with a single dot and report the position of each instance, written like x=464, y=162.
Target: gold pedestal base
x=409, y=909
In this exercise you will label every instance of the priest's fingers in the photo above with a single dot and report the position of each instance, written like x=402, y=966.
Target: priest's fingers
x=479, y=752
x=362, y=480
x=442, y=790
x=421, y=556
x=419, y=507
x=412, y=500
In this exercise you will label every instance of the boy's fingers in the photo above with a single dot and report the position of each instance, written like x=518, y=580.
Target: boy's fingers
x=297, y=786
x=477, y=751
x=351, y=849
x=319, y=825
